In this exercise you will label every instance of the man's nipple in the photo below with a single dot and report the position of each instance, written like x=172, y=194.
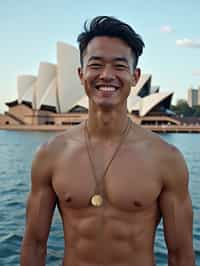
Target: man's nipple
x=68, y=198
x=137, y=204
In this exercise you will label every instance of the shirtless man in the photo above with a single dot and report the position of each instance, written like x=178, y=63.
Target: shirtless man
x=111, y=179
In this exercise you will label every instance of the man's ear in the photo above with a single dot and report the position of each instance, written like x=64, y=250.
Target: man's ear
x=80, y=74
x=136, y=76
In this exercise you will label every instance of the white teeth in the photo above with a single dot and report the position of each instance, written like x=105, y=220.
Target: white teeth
x=107, y=88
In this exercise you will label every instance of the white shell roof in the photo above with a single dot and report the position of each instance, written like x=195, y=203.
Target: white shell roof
x=26, y=88
x=133, y=103
x=83, y=102
x=50, y=96
x=69, y=85
x=140, y=84
x=46, y=84
x=152, y=100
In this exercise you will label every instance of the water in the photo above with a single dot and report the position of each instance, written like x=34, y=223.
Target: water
x=16, y=153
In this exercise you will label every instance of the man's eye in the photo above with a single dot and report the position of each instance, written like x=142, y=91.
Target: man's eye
x=95, y=65
x=120, y=66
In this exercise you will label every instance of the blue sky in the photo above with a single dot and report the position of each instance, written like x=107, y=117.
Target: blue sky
x=170, y=29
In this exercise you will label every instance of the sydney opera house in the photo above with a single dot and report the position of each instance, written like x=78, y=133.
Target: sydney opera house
x=55, y=96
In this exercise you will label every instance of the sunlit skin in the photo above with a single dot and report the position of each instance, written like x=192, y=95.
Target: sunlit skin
x=147, y=180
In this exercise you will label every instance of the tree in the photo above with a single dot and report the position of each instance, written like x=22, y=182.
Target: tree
x=196, y=110
x=182, y=108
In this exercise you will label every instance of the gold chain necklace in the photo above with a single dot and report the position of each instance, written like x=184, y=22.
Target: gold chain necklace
x=97, y=199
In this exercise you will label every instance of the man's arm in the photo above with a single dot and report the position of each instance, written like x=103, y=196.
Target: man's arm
x=40, y=208
x=176, y=208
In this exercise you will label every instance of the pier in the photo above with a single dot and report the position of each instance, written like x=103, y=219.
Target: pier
x=174, y=128
x=154, y=128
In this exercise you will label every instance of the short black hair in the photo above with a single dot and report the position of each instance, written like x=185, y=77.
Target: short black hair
x=110, y=27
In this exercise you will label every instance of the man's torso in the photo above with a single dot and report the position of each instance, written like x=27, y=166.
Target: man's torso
x=122, y=230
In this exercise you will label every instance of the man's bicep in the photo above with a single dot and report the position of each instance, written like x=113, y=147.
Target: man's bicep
x=40, y=208
x=176, y=207
x=41, y=200
x=177, y=220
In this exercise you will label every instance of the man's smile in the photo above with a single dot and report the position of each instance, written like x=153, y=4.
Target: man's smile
x=106, y=90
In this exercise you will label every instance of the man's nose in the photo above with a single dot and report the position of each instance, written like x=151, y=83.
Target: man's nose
x=107, y=73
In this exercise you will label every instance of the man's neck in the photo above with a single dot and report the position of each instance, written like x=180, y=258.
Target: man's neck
x=107, y=124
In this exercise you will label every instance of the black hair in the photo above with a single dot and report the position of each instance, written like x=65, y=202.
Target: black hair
x=111, y=27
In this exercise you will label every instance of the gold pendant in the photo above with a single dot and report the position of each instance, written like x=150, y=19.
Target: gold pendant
x=96, y=200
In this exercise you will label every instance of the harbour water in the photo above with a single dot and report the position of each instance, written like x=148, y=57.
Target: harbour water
x=16, y=153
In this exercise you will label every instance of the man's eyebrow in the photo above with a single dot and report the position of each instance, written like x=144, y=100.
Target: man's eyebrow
x=122, y=59
x=95, y=58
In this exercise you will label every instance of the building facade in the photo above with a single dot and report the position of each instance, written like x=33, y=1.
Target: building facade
x=193, y=97
x=198, y=95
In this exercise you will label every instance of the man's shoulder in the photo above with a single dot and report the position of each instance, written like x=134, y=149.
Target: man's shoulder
x=152, y=140
x=60, y=141
x=49, y=153
x=167, y=157
x=170, y=161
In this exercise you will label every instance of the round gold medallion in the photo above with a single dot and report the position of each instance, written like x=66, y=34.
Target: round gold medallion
x=97, y=200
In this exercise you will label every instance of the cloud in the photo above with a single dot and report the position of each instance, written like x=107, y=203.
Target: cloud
x=166, y=28
x=188, y=43
x=196, y=72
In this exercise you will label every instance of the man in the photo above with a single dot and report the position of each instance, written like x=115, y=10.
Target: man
x=111, y=179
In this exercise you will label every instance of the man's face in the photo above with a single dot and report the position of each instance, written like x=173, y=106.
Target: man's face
x=107, y=73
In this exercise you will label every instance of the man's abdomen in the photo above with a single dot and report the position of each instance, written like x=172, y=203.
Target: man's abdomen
x=106, y=240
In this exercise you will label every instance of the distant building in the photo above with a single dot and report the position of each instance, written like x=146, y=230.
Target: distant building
x=193, y=97
x=198, y=96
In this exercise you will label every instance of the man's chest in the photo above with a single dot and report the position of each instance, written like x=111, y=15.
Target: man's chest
x=131, y=182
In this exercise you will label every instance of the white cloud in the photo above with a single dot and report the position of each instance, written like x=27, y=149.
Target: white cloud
x=196, y=72
x=166, y=28
x=188, y=43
